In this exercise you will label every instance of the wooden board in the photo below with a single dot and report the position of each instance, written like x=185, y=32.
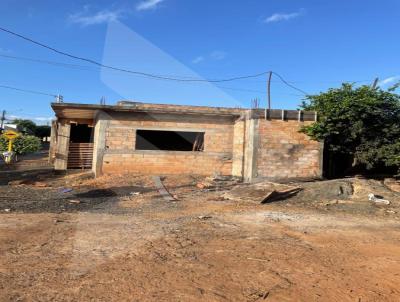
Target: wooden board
x=80, y=155
x=162, y=190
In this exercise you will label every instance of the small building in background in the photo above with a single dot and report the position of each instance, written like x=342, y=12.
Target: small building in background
x=9, y=127
x=162, y=139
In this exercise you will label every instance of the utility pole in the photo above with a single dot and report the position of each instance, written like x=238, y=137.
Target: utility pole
x=268, y=94
x=375, y=83
x=3, y=117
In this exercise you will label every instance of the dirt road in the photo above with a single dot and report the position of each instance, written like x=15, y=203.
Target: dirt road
x=139, y=247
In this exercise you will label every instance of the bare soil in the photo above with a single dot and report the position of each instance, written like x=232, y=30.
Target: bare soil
x=123, y=242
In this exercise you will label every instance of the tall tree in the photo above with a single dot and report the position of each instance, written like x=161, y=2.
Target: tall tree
x=25, y=126
x=362, y=122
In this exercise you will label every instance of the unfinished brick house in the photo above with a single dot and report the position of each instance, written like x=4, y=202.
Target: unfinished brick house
x=160, y=139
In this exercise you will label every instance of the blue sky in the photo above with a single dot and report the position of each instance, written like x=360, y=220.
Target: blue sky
x=313, y=44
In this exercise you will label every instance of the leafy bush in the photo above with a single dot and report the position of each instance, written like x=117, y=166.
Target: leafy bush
x=22, y=144
x=25, y=126
x=362, y=122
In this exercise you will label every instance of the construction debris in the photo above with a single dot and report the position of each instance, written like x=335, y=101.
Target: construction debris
x=262, y=192
x=218, y=182
x=221, y=237
x=280, y=195
x=74, y=201
x=162, y=190
x=378, y=199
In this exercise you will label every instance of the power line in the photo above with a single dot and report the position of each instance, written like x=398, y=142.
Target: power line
x=89, y=68
x=314, y=82
x=127, y=70
x=155, y=76
x=75, y=66
x=140, y=72
x=83, y=67
x=27, y=91
x=288, y=84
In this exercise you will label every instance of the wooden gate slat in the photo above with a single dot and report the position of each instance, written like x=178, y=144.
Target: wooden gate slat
x=80, y=155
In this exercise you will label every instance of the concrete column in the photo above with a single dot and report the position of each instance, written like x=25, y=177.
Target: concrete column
x=238, y=147
x=251, y=146
x=321, y=159
x=61, y=149
x=99, y=142
x=53, y=142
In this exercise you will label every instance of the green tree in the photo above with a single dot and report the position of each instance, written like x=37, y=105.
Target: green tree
x=42, y=131
x=22, y=144
x=25, y=126
x=363, y=123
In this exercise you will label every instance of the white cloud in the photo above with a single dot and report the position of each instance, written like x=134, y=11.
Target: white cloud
x=13, y=117
x=85, y=19
x=218, y=55
x=42, y=119
x=389, y=80
x=148, y=4
x=215, y=55
x=278, y=17
x=198, y=60
x=38, y=119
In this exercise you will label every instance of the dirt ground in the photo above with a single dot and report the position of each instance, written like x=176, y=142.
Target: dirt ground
x=116, y=239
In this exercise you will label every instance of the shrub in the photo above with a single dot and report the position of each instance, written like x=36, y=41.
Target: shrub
x=22, y=145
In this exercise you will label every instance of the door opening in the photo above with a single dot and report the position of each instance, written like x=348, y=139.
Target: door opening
x=80, y=153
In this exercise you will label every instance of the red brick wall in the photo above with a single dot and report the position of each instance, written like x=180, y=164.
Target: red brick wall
x=121, y=156
x=281, y=151
x=171, y=162
x=284, y=152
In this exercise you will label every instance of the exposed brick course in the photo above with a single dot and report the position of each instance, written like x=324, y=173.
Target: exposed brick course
x=284, y=152
x=237, y=142
x=121, y=155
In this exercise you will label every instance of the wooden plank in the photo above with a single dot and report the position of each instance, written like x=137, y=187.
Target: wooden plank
x=161, y=189
x=80, y=155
